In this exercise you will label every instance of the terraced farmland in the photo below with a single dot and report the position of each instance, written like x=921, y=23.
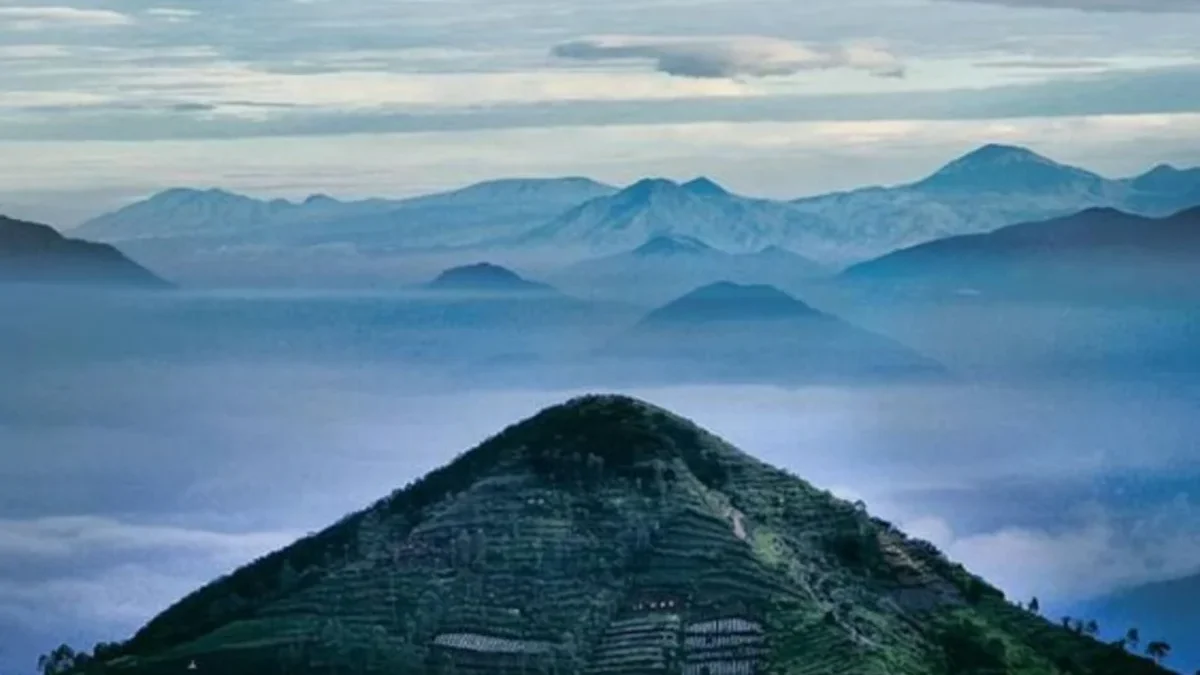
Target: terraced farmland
x=608, y=537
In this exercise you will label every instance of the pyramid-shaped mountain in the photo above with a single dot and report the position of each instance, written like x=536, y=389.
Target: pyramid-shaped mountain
x=1011, y=169
x=756, y=333
x=486, y=278
x=608, y=536
x=36, y=253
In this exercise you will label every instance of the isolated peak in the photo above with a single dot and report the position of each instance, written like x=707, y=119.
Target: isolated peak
x=648, y=186
x=578, y=518
x=999, y=151
x=481, y=271
x=621, y=431
x=1008, y=169
x=726, y=300
x=704, y=186
x=1163, y=169
x=995, y=155
x=484, y=276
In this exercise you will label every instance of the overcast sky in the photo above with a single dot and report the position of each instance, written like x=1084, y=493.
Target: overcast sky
x=107, y=100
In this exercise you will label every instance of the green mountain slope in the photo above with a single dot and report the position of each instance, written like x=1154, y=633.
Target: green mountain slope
x=607, y=536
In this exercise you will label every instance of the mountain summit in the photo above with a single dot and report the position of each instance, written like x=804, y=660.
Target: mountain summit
x=485, y=277
x=754, y=333
x=656, y=207
x=606, y=535
x=727, y=301
x=704, y=186
x=1007, y=168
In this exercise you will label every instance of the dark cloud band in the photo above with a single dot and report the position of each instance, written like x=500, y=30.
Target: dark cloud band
x=731, y=57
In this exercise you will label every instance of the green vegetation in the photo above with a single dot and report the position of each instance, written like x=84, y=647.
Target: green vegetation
x=600, y=537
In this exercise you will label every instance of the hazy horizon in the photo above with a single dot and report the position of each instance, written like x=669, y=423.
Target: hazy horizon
x=372, y=98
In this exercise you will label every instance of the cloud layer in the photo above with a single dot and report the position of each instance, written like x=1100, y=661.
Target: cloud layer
x=1101, y=5
x=731, y=57
x=36, y=18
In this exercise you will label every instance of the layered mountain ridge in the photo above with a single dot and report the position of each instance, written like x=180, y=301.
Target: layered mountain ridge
x=461, y=216
x=1101, y=252
x=667, y=266
x=985, y=189
x=658, y=207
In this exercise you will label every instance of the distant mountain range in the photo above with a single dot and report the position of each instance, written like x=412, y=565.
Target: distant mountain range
x=731, y=332
x=1100, y=251
x=668, y=266
x=470, y=215
x=989, y=188
x=575, y=218
x=36, y=253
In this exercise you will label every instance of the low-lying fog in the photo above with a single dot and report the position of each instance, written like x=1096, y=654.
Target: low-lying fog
x=144, y=451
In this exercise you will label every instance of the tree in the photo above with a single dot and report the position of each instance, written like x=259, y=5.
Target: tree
x=1091, y=628
x=104, y=651
x=62, y=660
x=1132, y=638
x=1034, y=606
x=968, y=649
x=1158, y=650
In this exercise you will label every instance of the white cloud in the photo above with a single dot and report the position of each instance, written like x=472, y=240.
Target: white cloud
x=36, y=18
x=32, y=52
x=1079, y=563
x=99, y=571
x=17, y=100
x=1101, y=5
x=215, y=81
x=119, y=598
x=76, y=537
x=732, y=56
x=172, y=14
